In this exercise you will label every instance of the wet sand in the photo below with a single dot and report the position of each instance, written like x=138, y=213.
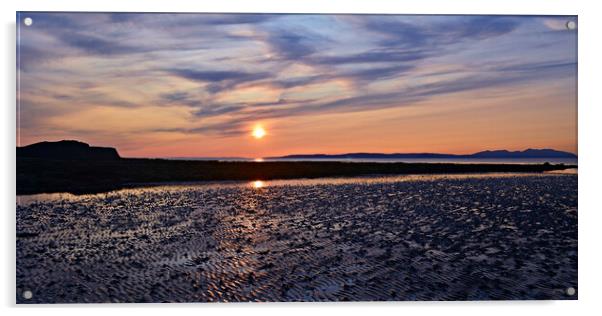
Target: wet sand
x=393, y=238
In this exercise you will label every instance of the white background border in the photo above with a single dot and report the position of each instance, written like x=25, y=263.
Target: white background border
x=590, y=17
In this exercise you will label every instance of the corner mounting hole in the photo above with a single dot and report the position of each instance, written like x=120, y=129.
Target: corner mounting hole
x=27, y=21
x=571, y=25
x=27, y=294
x=570, y=291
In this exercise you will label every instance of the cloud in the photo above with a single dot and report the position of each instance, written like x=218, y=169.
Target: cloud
x=233, y=19
x=29, y=56
x=375, y=74
x=539, y=66
x=375, y=56
x=96, y=45
x=218, y=76
x=191, y=19
x=175, y=96
x=398, y=33
x=221, y=129
x=490, y=76
x=436, y=33
x=495, y=77
x=179, y=98
x=279, y=102
x=299, y=81
x=219, y=80
x=290, y=45
x=478, y=27
x=218, y=110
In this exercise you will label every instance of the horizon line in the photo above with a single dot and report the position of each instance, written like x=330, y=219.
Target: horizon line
x=309, y=154
x=353, y=153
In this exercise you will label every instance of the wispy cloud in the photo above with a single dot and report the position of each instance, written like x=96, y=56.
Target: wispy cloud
x=96, y=45
x=218, y=76
x=290, y=45
x=375, y=56
x=443, y=31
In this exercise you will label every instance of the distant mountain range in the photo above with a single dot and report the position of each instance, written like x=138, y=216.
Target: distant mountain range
x=488, y=154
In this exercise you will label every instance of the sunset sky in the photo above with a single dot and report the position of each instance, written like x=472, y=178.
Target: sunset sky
x=196, y=85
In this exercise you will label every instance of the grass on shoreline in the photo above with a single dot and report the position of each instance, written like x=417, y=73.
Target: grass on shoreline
x=78, y=176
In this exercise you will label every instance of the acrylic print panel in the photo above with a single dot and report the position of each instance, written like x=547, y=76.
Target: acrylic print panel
x=280, y=157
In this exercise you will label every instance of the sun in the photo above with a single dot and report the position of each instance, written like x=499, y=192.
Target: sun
x=258, y=132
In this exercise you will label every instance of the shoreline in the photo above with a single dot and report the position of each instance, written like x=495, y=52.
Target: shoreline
x=367, y=177
x=36, y=176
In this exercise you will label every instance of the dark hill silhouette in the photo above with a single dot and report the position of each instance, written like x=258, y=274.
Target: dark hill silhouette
x=529, y=153
x=67, y=150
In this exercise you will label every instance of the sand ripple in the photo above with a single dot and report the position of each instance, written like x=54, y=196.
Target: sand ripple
x=509, y=237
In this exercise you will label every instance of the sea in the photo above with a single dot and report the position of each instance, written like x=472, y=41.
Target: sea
x=566, y=161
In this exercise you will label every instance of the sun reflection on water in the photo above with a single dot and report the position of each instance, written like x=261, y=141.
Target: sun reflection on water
x=258, y=184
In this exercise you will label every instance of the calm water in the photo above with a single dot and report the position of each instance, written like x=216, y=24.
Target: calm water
x=566, y=161
x=207, y=185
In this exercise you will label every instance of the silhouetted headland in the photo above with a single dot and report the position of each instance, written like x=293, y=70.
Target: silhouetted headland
x=76, y=167
x=67, y=150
